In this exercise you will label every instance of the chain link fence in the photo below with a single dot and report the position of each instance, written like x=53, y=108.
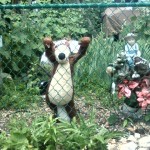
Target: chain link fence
x=31, y=67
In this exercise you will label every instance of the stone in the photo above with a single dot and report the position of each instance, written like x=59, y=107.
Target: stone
x=137, y=135
x=112, y=146
x=132, y=138
x=123, y=140
x=144, y=142
x=128, y=146
x=143, y=148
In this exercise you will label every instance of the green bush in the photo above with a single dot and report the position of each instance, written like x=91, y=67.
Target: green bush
x=17, y=96
x=23, y=33
x=44, y=133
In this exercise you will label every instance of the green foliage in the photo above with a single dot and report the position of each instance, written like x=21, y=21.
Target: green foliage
x=90, y=78
x=86, y=135
x=132, y=101
x=5, y=1
x=147, y=117
x=21, y=45
x=23, y=33
x=44, y=133
x=91, y=70
x=127, y=121
x=141, y=23
x=17, y=96
x=113, y=118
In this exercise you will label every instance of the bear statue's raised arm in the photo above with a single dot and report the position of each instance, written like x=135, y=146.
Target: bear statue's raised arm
x=84, y=43
x=49, y=47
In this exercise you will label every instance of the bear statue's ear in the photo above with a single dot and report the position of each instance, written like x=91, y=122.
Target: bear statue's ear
x=48, y=42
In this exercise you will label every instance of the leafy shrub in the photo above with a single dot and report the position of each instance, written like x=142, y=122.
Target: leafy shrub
x=44, y=133
x=23, y=33
x=17, y=96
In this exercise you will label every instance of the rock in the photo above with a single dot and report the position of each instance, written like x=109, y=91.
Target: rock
x=132, y=138
x=123, y=140
x=128, y=146
x=143, y=148
x=137, y=135
x=112, y=146
x=113, y=141
x=144, y=142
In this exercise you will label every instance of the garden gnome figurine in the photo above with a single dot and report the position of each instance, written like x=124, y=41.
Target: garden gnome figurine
x=131, y=50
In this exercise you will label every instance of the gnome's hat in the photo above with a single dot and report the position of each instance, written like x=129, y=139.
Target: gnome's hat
x=130, y=35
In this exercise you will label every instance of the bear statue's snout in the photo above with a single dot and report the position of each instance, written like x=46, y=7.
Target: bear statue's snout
x=61, y=56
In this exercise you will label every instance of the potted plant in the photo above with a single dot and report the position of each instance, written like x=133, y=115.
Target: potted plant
x=136, y=94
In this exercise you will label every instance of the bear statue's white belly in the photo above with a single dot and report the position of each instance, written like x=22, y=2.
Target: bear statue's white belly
x=61, y=88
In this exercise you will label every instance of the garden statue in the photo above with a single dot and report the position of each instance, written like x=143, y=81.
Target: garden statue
x=47, y=65
x=131, y=51
x=117, y=70
x=119, y=66
x=60, y=92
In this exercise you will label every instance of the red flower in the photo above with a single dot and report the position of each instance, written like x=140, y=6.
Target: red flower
x=126, y=87
x=145, y=83
x=143, y=97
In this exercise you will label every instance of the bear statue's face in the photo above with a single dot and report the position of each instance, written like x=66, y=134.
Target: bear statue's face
x=62, y=53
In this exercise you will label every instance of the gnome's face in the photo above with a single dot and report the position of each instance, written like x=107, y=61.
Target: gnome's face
x=131, y=41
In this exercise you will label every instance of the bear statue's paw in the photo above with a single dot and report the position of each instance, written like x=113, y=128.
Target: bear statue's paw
x=85, y=41
x=47, y=42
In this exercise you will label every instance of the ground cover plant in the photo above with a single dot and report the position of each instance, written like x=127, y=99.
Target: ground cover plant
x=44, y=133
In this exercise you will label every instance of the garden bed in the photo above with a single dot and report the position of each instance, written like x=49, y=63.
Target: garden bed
x=109, y=118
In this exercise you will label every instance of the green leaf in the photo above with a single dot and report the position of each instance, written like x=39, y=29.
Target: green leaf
x=19, y=138
x=5, y=1
x=147, y=118
x=15, y=66
x=27, y=51
x=125, y=123
x=112, y=119
x=83, y=30
x=100, y=138
x=5, y=53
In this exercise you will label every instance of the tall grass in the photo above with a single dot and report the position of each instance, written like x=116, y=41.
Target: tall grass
x=92, y=68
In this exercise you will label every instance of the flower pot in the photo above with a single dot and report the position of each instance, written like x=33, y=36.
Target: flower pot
x=129, y=111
